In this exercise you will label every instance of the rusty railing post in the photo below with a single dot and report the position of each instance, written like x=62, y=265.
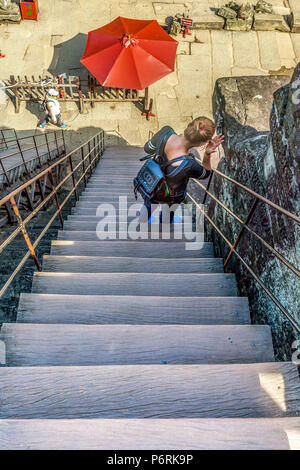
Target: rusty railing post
x=98, y=148
x=24, y=232
x=64, y=142
x=23, y=158
x=73, y=176
x=83, y=167
x=4, y=172
x=48, y=148
x=95, y=153
x=56, y=198
x=90, y=158
x=239, y=237
x=208, y=186
x=37, y=151
x=56, y=143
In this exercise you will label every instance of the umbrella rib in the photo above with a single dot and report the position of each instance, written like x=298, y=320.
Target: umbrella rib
x=123, y=24
x=146, y=26
x=137, y=72
x=99, y=52
x=112, y=69
x=153, y=55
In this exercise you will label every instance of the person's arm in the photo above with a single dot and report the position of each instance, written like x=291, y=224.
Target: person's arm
x=206, y=162
x=211, y=148
x=196, y=170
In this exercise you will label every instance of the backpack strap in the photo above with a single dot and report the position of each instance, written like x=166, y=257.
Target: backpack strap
x=177, y=159
x=146, y=157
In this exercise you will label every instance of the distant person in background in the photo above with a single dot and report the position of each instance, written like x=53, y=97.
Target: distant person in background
x=51, y=108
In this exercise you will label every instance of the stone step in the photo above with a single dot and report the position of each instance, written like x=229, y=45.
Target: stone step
x=120, y=309
x=116, y=187
x=150, y=391
x=152, y=235
x=120, y=169
x=141, y=249
x=172, y=285
x=95, y=218
x=122, y=166
x=112, y=180
x=106, y=180
x=105, y=200
x=86, y=345
x=151, y=434
x=96, y=264
x=125, y=220
x=93, y=210
x=103, y=192
x=95, y=197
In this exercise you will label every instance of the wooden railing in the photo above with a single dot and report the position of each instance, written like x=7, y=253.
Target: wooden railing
x=72, y=88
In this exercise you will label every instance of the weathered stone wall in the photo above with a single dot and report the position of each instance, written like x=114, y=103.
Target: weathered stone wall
x=262, y=151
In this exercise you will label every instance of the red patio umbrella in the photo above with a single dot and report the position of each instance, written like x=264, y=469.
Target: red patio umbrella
x=129, y=53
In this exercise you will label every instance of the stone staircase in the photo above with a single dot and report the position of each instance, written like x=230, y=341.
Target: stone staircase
x=128, y=344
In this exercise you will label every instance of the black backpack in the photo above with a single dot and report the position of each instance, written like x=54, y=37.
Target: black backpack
x=151, y=182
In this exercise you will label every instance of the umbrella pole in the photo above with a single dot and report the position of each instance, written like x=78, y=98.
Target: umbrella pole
x=148, y=106
x=146, y=98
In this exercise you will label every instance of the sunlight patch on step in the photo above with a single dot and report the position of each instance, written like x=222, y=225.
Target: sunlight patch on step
x=273, y=384
x=293, y=436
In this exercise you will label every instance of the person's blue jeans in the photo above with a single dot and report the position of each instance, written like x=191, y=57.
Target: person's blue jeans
x=48, y=119
x=148, y=205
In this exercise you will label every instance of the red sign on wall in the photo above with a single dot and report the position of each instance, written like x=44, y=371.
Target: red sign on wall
x=186, y=22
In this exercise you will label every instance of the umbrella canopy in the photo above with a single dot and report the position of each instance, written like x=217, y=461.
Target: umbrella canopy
x=129, y=53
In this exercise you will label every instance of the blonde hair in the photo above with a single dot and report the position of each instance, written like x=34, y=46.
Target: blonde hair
x=200, y=130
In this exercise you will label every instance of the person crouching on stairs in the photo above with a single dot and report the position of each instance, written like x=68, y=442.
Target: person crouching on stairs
x=51, y=108
x=173, y=153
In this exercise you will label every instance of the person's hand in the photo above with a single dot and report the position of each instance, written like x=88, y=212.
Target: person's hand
x=214, y=143
x=54, y=122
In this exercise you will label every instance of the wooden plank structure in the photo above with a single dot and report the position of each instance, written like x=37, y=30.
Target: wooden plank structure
x=132, y=344
x=72, y=88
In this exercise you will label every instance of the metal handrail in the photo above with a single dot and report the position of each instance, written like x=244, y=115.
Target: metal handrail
x=20, y=151
x=266, y=244
x=258, y=196
x=244, y=224
x=25, y=137
x=98, y=149
x=3, y=140
x=17, y=152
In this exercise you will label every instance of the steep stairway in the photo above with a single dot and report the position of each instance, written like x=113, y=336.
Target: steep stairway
x=139, y=344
